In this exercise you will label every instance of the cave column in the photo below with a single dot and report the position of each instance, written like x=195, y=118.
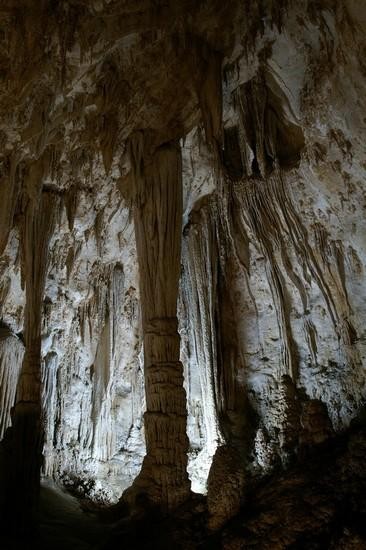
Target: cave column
x=27, y=431
x=158, y=227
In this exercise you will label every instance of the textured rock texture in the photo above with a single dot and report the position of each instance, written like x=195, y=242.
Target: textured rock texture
x=317, y=504
x=158, y=210
x=221, y=144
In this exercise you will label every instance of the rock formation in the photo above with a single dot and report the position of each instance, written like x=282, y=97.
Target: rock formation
x=158, y=210
x=182, y=260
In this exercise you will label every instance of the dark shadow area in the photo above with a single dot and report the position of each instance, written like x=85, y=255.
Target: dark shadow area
x=318, y=503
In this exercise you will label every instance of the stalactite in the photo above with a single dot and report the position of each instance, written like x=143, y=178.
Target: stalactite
x=207, y=71
x=200, y=290
x=254, y=108
x=331, y=257
x=101, y=379
x=269, y=134
x=11, y=355
x=262, y=218
x=216, y=354
x=9, y=191
x=50, y=365
x=71, y=201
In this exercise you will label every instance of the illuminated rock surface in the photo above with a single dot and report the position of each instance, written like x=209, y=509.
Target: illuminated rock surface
x=231, y=138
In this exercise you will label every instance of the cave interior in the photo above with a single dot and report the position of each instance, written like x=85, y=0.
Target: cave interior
x=182, y=274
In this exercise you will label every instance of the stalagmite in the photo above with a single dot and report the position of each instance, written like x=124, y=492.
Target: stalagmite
x=158, y=225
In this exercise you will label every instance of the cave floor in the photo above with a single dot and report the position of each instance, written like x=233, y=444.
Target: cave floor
x=64, y=524
x=318, y=503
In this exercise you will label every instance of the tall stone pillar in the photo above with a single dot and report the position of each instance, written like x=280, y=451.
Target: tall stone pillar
x=27, y=426
x=158, y=226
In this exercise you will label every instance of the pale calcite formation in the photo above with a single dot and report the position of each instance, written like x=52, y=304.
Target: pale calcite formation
x=266, y=104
